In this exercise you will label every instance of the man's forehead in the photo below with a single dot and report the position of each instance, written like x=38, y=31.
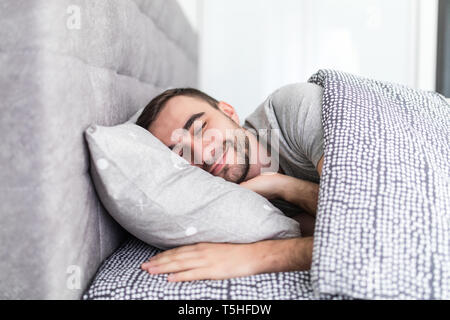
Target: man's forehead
x=174, y=115
x=181, y=107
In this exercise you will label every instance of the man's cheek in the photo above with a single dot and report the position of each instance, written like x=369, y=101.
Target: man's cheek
x=231, y=156
x=235, y=157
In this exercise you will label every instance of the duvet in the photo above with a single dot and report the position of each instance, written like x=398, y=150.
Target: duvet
x=383, y=221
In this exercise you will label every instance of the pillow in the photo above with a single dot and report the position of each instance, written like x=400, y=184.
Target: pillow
x=163, y=200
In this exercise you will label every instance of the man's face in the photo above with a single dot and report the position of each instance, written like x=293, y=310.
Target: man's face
x=207, y=137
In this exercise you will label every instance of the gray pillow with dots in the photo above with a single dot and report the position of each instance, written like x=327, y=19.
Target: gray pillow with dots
x=164, y=201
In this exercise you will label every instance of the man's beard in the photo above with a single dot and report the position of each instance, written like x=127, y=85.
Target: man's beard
x=237, y=172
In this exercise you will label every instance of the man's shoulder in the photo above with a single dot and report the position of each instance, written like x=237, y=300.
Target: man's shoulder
x=295, y=110
x=296, y=95
x=285, y=104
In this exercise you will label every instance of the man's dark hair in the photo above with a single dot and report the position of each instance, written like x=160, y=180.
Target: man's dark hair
x=155, y=106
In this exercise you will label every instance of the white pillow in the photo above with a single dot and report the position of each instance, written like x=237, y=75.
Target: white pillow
x=161, y=199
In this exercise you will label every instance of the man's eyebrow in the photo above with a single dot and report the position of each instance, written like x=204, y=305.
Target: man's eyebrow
x=191, y=120
x=189, y=123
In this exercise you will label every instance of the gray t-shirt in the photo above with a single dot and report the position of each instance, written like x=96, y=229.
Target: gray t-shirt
x=296, y=110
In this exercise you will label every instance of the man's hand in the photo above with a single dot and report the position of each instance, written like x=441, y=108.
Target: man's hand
x=302, y=193
x=223, y=260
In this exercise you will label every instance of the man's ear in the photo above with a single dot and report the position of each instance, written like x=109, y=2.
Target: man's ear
x=229, y=111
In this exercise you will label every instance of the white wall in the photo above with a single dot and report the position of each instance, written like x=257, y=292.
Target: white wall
x=249, y=48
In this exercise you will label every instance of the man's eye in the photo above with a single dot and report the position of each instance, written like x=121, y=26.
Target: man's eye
x=200, y=130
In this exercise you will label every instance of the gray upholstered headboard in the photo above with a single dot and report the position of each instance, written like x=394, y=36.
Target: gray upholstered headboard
x=64, y=65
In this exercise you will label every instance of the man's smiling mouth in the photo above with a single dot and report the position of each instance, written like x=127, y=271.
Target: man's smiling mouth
x=217, y=166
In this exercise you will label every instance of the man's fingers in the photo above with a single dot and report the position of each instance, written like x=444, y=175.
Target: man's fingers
x=177, y=266
x=191, y=275
x=169, y=253
x=169, y=258
x=173, y=251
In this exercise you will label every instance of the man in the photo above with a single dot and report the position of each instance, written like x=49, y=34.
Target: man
x=294, y=110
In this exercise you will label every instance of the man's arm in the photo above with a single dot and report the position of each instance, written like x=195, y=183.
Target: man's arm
x=319, y=166
x=303, y=193
x=224, y=260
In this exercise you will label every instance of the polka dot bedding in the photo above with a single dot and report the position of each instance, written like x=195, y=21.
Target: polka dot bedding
x=383, y=221
x=121, y=278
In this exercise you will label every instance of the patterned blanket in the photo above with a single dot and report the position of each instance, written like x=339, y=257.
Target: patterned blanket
x=383, y=219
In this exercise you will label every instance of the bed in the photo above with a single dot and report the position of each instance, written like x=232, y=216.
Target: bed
x=68, y=64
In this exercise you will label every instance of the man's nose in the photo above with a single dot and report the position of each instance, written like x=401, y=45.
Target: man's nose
x=202, y=151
